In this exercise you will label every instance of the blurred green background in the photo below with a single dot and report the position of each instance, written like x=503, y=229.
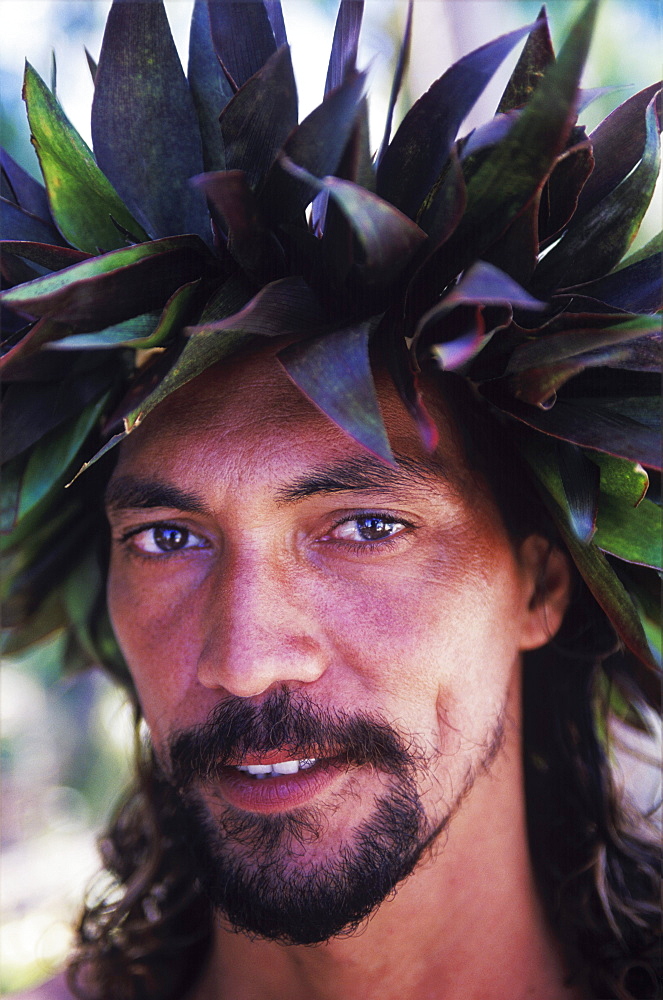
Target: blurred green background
x=65, y=742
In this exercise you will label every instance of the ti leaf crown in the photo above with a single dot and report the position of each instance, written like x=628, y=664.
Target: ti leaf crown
x=185, y=236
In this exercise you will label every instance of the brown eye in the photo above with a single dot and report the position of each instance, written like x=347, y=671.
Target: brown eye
x=368, y=528
x=169, y=539
x=162, y=539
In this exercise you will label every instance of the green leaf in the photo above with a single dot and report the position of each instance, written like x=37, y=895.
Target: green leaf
x=627, y=481
x=108, y=289
x=50, y=459
x=83, y=202
x=334, y=372
x=630, y=533
x=285, y=306
x=132, y=332
x=597, y=572
x=602, y=236
x=536, y=56
x=144, y=126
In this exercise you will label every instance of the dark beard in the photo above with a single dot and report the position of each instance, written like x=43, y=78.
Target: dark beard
x=251, y=866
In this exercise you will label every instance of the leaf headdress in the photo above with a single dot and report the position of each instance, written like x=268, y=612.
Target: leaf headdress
x=208, y=218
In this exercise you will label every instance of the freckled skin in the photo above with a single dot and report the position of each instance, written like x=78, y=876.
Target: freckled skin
x=425, y=628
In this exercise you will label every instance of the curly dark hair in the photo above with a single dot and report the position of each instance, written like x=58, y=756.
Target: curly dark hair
x=597, y=859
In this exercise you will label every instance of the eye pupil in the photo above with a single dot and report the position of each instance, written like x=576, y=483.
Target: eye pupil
x=373, y=528
x=170, y=539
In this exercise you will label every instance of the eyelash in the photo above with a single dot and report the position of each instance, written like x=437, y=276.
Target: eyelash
x=127, y=537
x=355, y=547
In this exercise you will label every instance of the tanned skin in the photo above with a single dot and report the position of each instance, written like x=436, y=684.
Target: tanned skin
x=274, y=586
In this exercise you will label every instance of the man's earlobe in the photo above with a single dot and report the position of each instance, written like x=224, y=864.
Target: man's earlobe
x=547, y=568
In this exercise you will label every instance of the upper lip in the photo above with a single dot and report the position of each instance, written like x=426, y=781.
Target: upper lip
x=278, y=756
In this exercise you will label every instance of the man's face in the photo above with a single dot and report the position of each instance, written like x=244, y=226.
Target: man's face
x=282, y=596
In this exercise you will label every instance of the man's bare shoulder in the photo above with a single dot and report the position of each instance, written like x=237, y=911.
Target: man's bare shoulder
x=52, y=989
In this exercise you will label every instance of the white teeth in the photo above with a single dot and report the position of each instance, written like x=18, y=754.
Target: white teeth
x=286, y=767
x=283, y=767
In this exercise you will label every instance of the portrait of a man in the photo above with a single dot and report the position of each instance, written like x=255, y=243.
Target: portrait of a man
x=358, y=468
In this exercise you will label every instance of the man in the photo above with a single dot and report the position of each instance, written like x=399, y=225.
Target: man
x=361, y=778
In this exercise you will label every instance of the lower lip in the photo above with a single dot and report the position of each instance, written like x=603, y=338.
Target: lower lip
x=278, y=793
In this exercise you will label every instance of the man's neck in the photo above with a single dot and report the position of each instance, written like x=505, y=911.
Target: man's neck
x=468, y=924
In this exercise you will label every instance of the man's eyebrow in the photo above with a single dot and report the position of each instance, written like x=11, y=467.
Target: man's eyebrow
x=131, y=492
x=365, y=473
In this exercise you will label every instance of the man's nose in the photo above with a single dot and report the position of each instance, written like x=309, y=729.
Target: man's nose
x=260, y=630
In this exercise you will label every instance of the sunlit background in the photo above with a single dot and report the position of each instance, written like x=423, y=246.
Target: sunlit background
x=65, y=741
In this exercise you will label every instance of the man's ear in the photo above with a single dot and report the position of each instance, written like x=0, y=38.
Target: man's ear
x=548, y=572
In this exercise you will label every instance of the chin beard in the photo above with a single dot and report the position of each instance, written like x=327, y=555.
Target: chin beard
x=254, y=871
x=272, y=876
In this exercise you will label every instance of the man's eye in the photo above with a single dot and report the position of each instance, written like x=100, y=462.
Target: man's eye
x=369, y=528
x=164, y=538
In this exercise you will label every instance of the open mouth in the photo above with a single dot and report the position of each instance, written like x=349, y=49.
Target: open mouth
x=282, y=767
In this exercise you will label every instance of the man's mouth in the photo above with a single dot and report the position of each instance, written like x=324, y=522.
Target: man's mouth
x=282, y=767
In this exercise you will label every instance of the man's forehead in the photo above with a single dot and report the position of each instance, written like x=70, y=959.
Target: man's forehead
x=250, y=418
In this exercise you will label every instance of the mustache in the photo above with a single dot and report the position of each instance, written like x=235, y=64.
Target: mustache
x=291, y=723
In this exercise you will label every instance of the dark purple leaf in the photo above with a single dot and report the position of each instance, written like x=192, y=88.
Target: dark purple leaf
x=275, y=15
x=17, y=224
x=559, y=198
x=92, y=65
x=445, y=205
x=551, y=347
x=537, y=55
x=389, y=339
x=26, y=191
x=514, y=171
x=243, y=37
x=209, y=87
x=413, y=160
x=515, y=252
x=39, y=334
x=254, y=247
x=454, y=354
x=343, y=56
x=144, y=125
x=617, y=143
x=602, y=424
x=316, y=145
x=334, y=372
x=44, y=254
x=105, y=290
x=636, y=288
x=401, y=69
x=596, y=243
x=387, y=238
x=260, y=117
